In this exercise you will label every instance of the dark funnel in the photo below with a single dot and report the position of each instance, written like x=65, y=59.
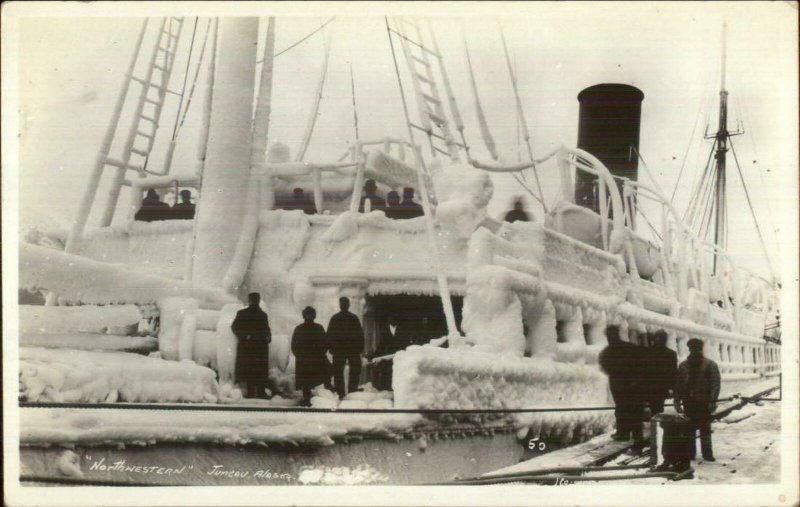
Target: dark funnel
x=608, y=128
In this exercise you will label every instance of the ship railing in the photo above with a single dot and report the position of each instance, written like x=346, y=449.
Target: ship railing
x=684, y=257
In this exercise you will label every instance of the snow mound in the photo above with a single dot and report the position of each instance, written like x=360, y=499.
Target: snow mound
x=87, y=341
x=79, y=376
x=76, y=279
x=116, y=319
x=431, y=378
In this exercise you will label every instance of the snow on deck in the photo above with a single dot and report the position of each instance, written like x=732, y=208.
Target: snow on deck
x=45, y=426
x=65, y=375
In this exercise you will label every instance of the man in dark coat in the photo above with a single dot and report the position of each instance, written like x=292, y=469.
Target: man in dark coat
x=152, y=208
x=621, y=362
x=375, y=202
x=409, y=207
x=518, y=213
x=696, y=394
x=184, y=210
x=661, y=371
x=393, y=208
x=346, y=343
x=251, y=327
x=309, y=347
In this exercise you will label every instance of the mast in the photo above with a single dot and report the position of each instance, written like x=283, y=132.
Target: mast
x=719, y=204
x=720, y=238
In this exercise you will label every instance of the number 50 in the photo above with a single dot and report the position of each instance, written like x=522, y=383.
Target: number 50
x=535, y=444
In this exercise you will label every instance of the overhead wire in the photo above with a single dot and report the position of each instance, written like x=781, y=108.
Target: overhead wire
x=196, y=73
x=752, y=210
x=185, y=80
x=303, y=39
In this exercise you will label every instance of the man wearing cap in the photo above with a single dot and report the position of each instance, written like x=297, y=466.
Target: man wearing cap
x=184, y=210
x=375, y=202
x=696, y=394
x=251, y=327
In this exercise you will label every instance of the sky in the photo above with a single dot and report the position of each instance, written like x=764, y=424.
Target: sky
x=71, y=64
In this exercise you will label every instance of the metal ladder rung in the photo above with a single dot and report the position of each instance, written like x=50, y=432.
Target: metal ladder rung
x=431, y=98
x=177, y=20
x=155, y=102
x=426, y=79
x=159, y=67
x=140, y=152
x=118, y=163
x=420, y=60
x=150, y=119
x=145, y=134
x=436, y=118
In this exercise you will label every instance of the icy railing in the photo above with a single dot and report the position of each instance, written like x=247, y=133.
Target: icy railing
x=683, y=257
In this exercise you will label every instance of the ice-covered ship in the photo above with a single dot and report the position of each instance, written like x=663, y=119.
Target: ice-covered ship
x=138, y=313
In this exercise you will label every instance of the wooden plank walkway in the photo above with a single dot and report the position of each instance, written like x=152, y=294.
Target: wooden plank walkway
x=603, y=448
x=590, y=453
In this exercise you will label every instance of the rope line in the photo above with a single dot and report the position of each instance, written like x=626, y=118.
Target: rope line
x=185, y=79
x=279, y=53
x=686, y=153
x=752, y=211
x=188, y=407
x=196, y=72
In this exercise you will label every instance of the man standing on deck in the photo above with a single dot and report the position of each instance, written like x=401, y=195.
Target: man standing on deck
x=661, y=372
x=621, y=362
x=370, y=193
x=346, y=343
x=251, y=327
x=696, y=394
x=309, y=346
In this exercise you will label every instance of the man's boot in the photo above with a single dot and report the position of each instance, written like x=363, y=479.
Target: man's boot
x=705, y=447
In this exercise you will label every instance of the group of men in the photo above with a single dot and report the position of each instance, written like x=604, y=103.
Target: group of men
x=642, y=376
x=393, y=207
x=344, y=339
x=153, y=209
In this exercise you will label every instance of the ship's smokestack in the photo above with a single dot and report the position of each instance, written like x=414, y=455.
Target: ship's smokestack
x=608, y=128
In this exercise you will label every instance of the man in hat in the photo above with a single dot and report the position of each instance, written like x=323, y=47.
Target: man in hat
x=251, y=327
x=661, y=373
x=309, y=347
x=621, y=361
x=370, y=192
x=409, y=207
x=696, y=394
x=184, y=210
x=346, y=343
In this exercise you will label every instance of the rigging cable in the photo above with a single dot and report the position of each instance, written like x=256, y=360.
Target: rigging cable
x=688, y=147
x=518, y=101
x=185, y=79
x=279, y=53
x=312, y=119
x=488, y=141
x=196, y=72
x=695, y=201
x=753, y=142
x=752, y=211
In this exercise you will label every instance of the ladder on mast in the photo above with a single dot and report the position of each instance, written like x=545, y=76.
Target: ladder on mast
x=147, y=115
x=433, y=118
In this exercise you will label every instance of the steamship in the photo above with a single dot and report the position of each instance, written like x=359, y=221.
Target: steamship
x=519, y=311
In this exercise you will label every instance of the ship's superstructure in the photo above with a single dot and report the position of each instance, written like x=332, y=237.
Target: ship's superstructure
x=518, y=311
